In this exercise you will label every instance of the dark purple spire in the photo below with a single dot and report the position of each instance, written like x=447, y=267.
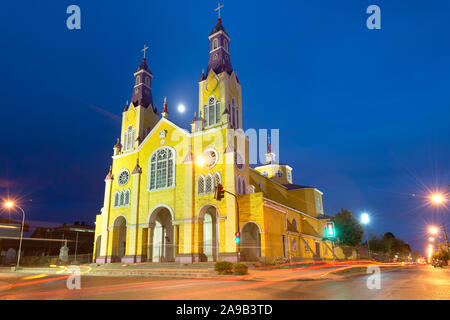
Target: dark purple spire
x=142, y=91
x=219, y=54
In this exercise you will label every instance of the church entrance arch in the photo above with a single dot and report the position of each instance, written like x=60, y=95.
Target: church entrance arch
x=251, y=242
x=210, y=243
x=97, y=247
x=162, y=239
x=119, y=238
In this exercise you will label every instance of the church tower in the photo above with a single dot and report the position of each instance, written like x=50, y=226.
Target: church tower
x=140, y=116
x=220, y=100
x=272, y=169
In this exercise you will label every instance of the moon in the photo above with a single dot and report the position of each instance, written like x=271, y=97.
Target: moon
x=181, y=108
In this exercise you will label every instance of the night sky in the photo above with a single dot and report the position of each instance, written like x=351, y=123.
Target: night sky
x=363, y=114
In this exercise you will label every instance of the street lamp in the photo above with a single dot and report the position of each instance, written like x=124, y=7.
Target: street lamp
x=434, y=231
x=365, y=219
x=9, y=205
x=437, y=198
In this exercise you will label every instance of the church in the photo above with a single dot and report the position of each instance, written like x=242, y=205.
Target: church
x=160, y=204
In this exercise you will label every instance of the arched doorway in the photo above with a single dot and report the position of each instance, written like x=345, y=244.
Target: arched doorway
x=251, y=242
x=97, y=247
x=210, y=238
x=162, y=242
x=119, y=238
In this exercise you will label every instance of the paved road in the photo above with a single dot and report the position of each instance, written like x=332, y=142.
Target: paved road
x=421, y=282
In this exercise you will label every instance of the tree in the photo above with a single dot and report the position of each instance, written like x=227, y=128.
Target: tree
x=389, y=245
x=348, y=229
x=415, y=255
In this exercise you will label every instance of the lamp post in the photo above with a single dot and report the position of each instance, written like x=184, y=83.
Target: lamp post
x=435, y=230
x=10, y=204
x=365, y=219
x=439, y=199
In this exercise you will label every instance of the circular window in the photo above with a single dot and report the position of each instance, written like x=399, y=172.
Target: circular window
x=239, y=161
x=279, y=173
x=123, y=177
x=210, y=156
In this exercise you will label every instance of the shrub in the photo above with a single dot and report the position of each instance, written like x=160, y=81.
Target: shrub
x=223, y=267
x=440, y=259
x=240, y=268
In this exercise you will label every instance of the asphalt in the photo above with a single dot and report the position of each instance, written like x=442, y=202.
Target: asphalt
x=411, y=283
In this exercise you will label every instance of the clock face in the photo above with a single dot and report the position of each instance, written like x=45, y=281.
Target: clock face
x=211, y=84
x=131, y=114
x=239, y=161
x=210, y=156
x=123, y=177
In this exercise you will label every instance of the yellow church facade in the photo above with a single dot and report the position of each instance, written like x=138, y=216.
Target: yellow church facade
x=160, y=205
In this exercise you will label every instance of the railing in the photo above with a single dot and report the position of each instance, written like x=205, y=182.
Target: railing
x=40, y=261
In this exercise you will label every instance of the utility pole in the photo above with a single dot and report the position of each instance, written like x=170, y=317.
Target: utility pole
x=219, y=194
x=446, y=238
x=76, y=247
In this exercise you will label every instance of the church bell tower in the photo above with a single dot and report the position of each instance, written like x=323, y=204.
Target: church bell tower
x=220, y=100
x=140, y=116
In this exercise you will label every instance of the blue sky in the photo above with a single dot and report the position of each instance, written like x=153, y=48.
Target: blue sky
x=363, y=114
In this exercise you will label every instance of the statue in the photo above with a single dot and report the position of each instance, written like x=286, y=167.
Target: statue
x=64, y=253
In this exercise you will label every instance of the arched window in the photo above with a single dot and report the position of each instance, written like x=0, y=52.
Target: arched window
x=129, y=138
x=215, y=43
x=225, y=42
x=201, y=185
x=294, y=245
x=294, y=224
x=217, y=179
x=147, y=81
x=162, y=169
x=211, y=112
x=209, y=184
x=122, y=199
x=239, y=184
x=232, y=114
x=116, y=199
x=138, y=80
x=127, y=197
x=244, y=186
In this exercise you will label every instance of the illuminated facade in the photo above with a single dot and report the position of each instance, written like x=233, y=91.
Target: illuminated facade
x=159, y=202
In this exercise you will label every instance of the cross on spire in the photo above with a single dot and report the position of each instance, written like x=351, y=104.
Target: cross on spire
x=143, y=50
x=218, y=8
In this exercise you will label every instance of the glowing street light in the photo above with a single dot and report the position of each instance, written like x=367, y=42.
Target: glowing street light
x=433, y=230
x=437, y=198
x=431, y=239
x=9, y=205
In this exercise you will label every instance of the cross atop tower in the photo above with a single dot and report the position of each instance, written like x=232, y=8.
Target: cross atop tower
x=143, y=50
x=218, y=8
